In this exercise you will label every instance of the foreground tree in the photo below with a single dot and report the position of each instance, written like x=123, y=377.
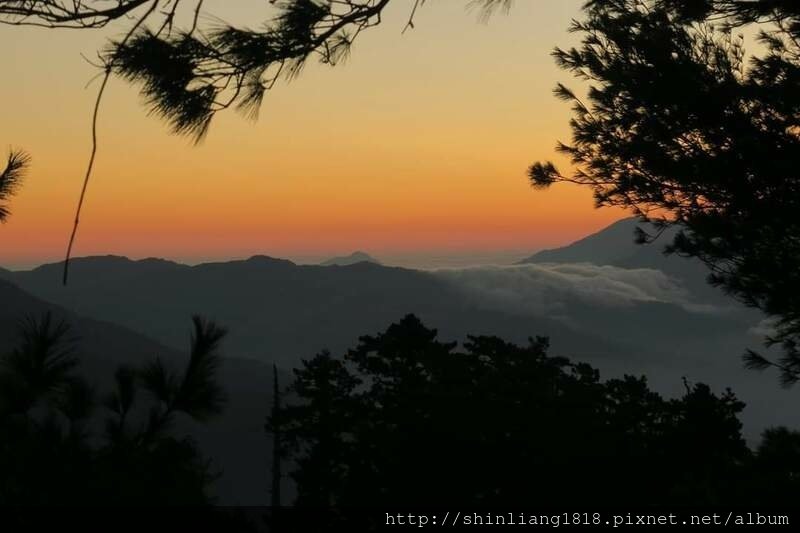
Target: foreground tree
x=682, y=127
x=50, y=453
x=405, y=419
x=11, y=178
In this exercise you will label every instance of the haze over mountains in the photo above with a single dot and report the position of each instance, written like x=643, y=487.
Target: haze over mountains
x=622, y=307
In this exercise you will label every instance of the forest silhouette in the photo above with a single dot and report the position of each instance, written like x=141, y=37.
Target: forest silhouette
x=406, y=419
x=402, y=418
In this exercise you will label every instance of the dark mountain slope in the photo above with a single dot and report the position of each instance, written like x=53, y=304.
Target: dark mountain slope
x=609, y=246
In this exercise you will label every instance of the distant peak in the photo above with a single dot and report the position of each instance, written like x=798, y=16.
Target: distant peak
x=157, y=261
x=615, y=245
x=352, y=259
x=261, y=259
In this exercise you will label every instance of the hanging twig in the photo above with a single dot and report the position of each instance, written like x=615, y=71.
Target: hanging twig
x=410, y=23
x=90, y=166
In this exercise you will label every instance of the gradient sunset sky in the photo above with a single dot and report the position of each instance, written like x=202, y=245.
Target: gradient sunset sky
x=418, y=143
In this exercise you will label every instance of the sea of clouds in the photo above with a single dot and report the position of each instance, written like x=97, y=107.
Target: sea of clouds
x=550, y=288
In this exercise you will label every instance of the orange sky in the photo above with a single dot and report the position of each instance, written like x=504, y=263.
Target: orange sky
x=419, y=142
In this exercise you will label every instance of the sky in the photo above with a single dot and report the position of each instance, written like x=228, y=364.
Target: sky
x=416, y=147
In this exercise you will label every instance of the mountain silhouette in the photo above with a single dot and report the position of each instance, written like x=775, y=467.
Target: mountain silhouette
x=355, y=257
x=612, y=245
x=279, y=311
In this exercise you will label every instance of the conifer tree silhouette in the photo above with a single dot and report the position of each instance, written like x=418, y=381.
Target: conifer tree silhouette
x=49, y=451
x=11, y=178
x=684, y=128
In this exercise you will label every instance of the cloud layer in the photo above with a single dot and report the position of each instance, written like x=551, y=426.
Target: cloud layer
x=551, y=288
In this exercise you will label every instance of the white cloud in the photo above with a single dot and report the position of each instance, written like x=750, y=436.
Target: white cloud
x=550, y=288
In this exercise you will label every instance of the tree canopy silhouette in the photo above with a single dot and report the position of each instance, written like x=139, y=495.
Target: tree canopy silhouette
x=54, y=450
x=11, y=178
x=682, y=126
x=406, y=419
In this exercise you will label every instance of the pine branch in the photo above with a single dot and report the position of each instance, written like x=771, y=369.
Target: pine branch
x=11, y=179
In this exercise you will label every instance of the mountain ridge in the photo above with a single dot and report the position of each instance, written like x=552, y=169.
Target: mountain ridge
x=269, y=304
x=611, y=245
